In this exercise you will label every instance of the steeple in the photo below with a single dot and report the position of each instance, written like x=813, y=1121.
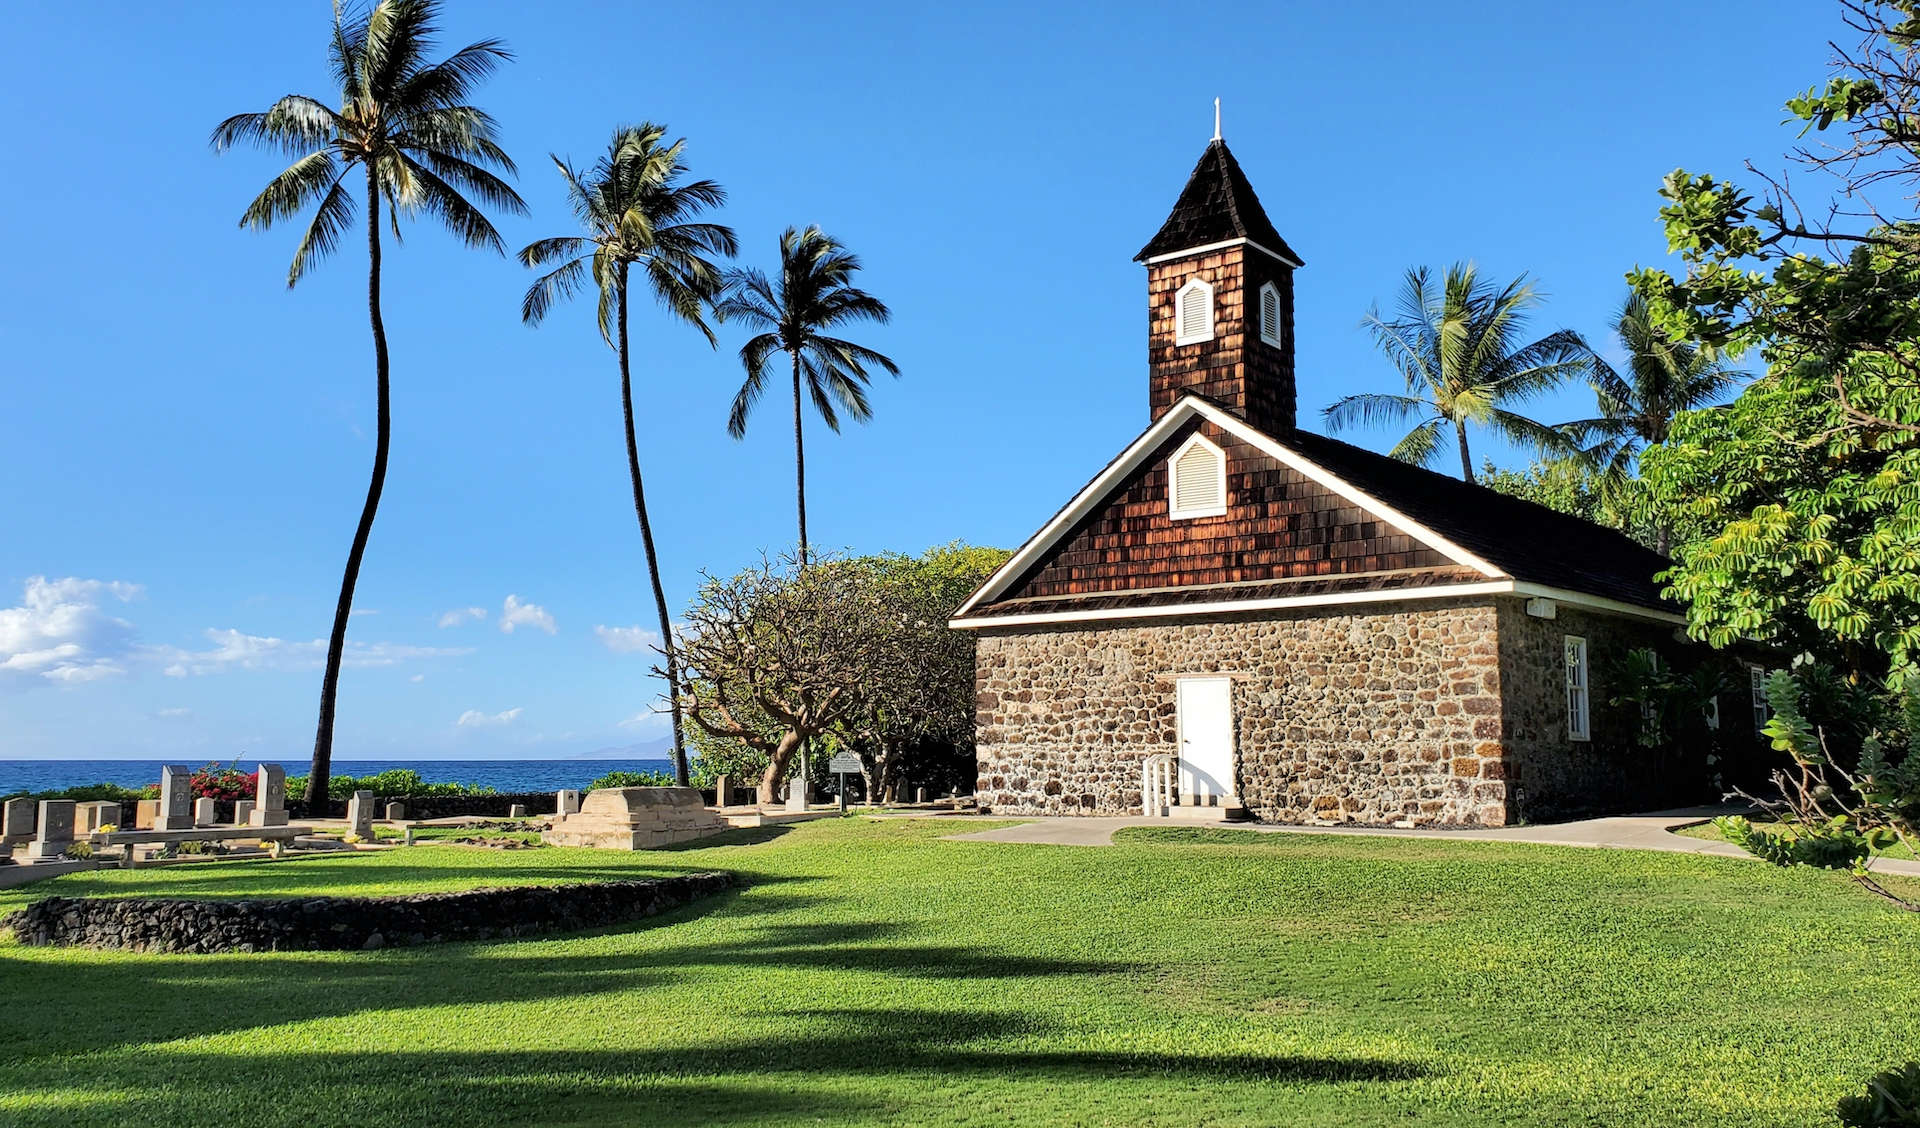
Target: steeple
x=1220, y=299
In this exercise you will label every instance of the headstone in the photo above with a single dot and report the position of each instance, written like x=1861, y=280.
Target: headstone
x=269, y=797
x=396, y=812
x=722, y=791
x=146, y=812
x=242, y=812
x=797, y=795
x=919, y=795
x=176, y=799
x=90, y=817
x=566, y=803
x=19, y=818
x=206, y=812
x=360, y=814
x=516, y=810
x=54, y=833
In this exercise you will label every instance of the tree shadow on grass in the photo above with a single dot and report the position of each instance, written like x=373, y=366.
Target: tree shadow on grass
x=152, y=997
x=833, y=1064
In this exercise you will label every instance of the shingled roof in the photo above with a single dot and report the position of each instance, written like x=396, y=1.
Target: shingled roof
x=1218, y=204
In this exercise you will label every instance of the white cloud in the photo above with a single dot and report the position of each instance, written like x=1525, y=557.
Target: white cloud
x=59, y=632
x=628, y=640
x=362, y=611
x=460, y=615
x=175, y=712
x=514, y=613
x=474, y=718
x=418, y=678
x=235, y=650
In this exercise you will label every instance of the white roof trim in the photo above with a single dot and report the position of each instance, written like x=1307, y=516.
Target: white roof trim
x=1150, y=440
x=1333, y=599
x=1221, y=246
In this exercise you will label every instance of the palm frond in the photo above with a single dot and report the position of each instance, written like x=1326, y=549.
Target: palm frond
x=440, y=199
x=295, y=124
x=753, y=356
x=330, y=219
x=1371, y=409
x=556, y=285
x=302, y=182
x=1422, y=446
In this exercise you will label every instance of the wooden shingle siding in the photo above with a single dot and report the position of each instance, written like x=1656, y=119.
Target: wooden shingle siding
x=1279, y=524
x=1235, y=369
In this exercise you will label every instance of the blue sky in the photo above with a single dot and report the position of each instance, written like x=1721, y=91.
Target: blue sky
x=188, y=442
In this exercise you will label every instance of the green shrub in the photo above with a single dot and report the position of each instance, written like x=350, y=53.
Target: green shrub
x=393, y=782
x=87, y=793
x=632, y=779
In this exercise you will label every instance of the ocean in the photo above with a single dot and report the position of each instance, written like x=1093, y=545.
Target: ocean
x=501, y=775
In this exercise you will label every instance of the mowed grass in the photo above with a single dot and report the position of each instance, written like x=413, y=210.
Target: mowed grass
x=872, y=973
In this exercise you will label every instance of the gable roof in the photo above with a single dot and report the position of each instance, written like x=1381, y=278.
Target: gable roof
x=1494, y=543
x=1218, y=205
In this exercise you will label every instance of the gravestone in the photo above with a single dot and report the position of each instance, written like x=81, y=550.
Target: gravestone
x=919, y=795
x=18, y=819
x=269, y=797
x=360, y=815
x=176, y=799
x=635, y=818
x=146, y=812
x=396, y=812
x=797, y=795
x=242, y=812
x=90, y=817
x=516, y=810
x=722, y=791
x=566, y=803
x=206, y=812
x=54, y=832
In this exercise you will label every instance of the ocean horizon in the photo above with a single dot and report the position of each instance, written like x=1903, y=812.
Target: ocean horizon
x=501, y=775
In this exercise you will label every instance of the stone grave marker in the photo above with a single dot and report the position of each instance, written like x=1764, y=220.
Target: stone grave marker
x=206, y=812
x=516, y=810
x=146, y=812
x=90, y=817
x=360, y=814
x=723, y=791
x=567, y=803
x=18, y=819
x=269, y=797
x=396, y=812
x=176, y=799
x=55, y=830
x=242, y=812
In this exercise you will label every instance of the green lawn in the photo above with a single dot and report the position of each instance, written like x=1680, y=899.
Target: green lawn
x=872, y=973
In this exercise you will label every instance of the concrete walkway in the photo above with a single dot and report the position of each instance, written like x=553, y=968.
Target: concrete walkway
x=1625, y=832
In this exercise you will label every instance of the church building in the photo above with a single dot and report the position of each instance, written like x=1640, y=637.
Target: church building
x=1239, y=617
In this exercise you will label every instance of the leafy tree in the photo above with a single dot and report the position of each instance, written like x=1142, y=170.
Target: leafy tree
x=1805, y=492
x=637, y=212
x=815, y=293
x=1457, y=346
x=918, y=694
x=1663, y=377
x=1568, y=485
x=405, y=124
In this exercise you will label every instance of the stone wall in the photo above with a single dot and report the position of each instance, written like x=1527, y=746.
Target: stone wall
x=1389, y=714
x=348, y=923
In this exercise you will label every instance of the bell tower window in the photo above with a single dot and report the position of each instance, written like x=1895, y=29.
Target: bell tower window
x=1270, y=314
x=1197, y=480
x=1193, y=313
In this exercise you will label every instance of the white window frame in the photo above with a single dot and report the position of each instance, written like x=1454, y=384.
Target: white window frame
x=1174, y=509
x=1762, y=712
x=1179, y=310
x=1578, y=673
x=1260, y=311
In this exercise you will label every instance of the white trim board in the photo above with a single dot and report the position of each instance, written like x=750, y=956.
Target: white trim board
x=1221, y=246
x=1334, y=599
x=1150, y=440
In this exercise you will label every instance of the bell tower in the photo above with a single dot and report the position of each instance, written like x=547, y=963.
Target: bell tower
x=1220, y=299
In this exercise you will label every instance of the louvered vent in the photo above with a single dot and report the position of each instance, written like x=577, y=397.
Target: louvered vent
x=1199, y=486
x=1196, y=313
x=1269, y=315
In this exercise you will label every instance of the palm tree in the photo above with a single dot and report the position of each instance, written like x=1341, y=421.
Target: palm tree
x=405, y=123
x=1663, y=377
x=814, y=294
x=1457, y=348
x=637, y=213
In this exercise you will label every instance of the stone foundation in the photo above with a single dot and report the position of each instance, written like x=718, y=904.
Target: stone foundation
x=636, y=818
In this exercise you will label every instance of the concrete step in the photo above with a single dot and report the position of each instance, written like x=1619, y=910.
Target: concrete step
x=1235, y=813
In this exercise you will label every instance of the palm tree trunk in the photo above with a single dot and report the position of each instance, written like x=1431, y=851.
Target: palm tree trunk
x=1466, y=462
x=799, y=461
x=317, y=777
x=646, y=540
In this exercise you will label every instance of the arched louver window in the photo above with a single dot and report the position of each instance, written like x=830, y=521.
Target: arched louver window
x=1270, y=315
x=1193, y=313
x=1198, y=480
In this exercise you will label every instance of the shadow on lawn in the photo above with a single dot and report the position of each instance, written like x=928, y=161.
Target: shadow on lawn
x=163, y=997
x=820, y=1053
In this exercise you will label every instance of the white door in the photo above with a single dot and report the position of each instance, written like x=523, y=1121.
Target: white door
x=1204, y=710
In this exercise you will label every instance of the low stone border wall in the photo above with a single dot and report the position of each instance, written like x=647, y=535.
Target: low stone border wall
x=432, y=806
x=348, y=923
